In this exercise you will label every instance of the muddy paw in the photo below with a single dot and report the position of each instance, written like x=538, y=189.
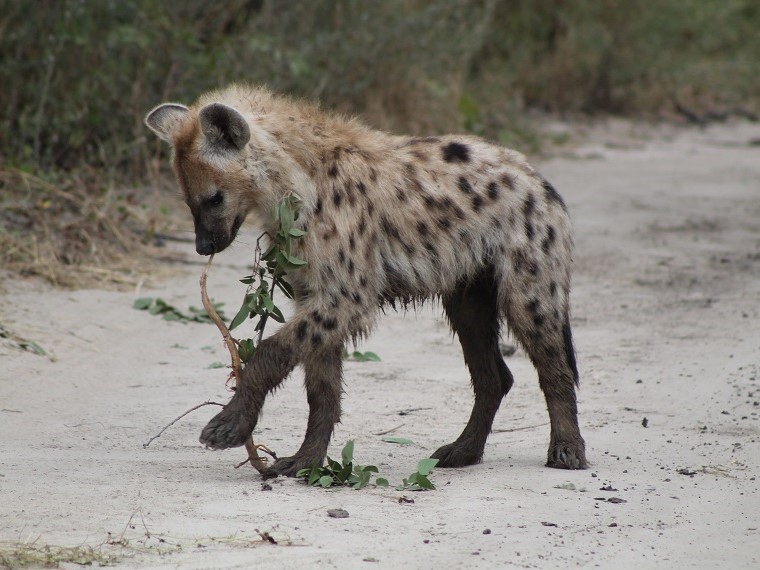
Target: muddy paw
x=289, y=466
x=457, y=455
x=226, y=429
x=567, y=456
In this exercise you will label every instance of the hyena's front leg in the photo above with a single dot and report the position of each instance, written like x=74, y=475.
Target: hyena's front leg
x=323, y=378
x=274, y=359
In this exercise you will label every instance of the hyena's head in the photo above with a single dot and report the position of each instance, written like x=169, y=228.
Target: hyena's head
x=209, y=158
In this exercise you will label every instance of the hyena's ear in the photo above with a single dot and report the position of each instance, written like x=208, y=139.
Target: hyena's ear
x=164, y=119
x=224, y=126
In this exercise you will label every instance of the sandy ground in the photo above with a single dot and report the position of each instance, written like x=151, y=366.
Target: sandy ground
x=667, y=324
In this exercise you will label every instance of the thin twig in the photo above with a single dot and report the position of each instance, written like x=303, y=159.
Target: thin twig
x=389, y=430
x=175, y=420
x=519, y=428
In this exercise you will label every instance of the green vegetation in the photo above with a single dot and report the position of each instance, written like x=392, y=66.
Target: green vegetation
x=347, y=473
x=343, y=473
x=270, y=270
x=80, y=176
x=169, y=312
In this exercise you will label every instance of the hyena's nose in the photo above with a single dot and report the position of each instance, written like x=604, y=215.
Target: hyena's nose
x=204, y=245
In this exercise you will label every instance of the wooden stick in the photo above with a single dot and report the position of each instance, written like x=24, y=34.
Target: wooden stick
x=258, y=462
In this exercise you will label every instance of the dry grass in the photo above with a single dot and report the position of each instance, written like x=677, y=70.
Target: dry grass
x=77, y=231
x=33, y=555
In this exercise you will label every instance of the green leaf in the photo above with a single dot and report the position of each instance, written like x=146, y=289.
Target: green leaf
x=142, y=303
x=296, y=233
x=246, y=350
x=371, y=356
x=277, y=315
x=295, y=261
x=326, y=480
x=242, y=314
x=216, y=365
x=348, y=452
x=370, y=469
x=425, y=466
x=344, y=474
x=286, y=217
x=286, y=287
x=399, y=440
x=381, y=482
x=424, y=483
x=314, y=475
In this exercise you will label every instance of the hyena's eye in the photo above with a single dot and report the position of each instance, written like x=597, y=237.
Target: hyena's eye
x=214, y=200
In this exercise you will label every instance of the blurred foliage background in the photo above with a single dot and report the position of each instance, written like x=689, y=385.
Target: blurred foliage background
x=78, y=76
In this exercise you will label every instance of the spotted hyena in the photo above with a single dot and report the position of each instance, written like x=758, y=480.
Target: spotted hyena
x=389, y=219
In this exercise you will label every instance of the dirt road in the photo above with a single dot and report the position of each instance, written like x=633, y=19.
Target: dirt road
x=666, y=315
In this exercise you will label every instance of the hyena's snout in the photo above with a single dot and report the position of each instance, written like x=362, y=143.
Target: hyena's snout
x=213, y=238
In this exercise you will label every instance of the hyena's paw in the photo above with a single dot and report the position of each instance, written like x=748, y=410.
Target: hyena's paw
x=289, y=466
x=226, y=429
x=457, y=455
x=563, y=455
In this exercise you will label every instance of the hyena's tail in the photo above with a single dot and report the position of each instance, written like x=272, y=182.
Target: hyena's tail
x=570, y=349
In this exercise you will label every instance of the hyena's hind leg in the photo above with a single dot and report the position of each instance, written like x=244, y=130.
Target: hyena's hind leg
x=323, y=378
x=543, y=328
x=473, y=313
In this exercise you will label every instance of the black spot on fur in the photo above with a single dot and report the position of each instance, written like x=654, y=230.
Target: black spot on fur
x=370, y=209
x=318, y=207
x=408, y=247
x=456, y=152
x=356, y=298
x=373, y=175
x=301, y=330
x=552, y=195
x=477, y=203
x=432, y=250
x=341, y=256
x=496, y=222
x=350, y=266
x=553, y=288
x=529, y=206
x=530, y=231
x=351, y=243
x=464, y=185
x=389, y=228
x=316, y=317
x=507, y=180
x=538, y=320
x=330, y=324
x=333, y=171
x=343, y=291
x=533, y=306
x=422, y=228
x=444, y=223
x=361, y=187
x=316, y=339
x=548, y=240
x=363, y=281
x=337, y=198
x=430, y=202
x=492, y=190
x=400, y=194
